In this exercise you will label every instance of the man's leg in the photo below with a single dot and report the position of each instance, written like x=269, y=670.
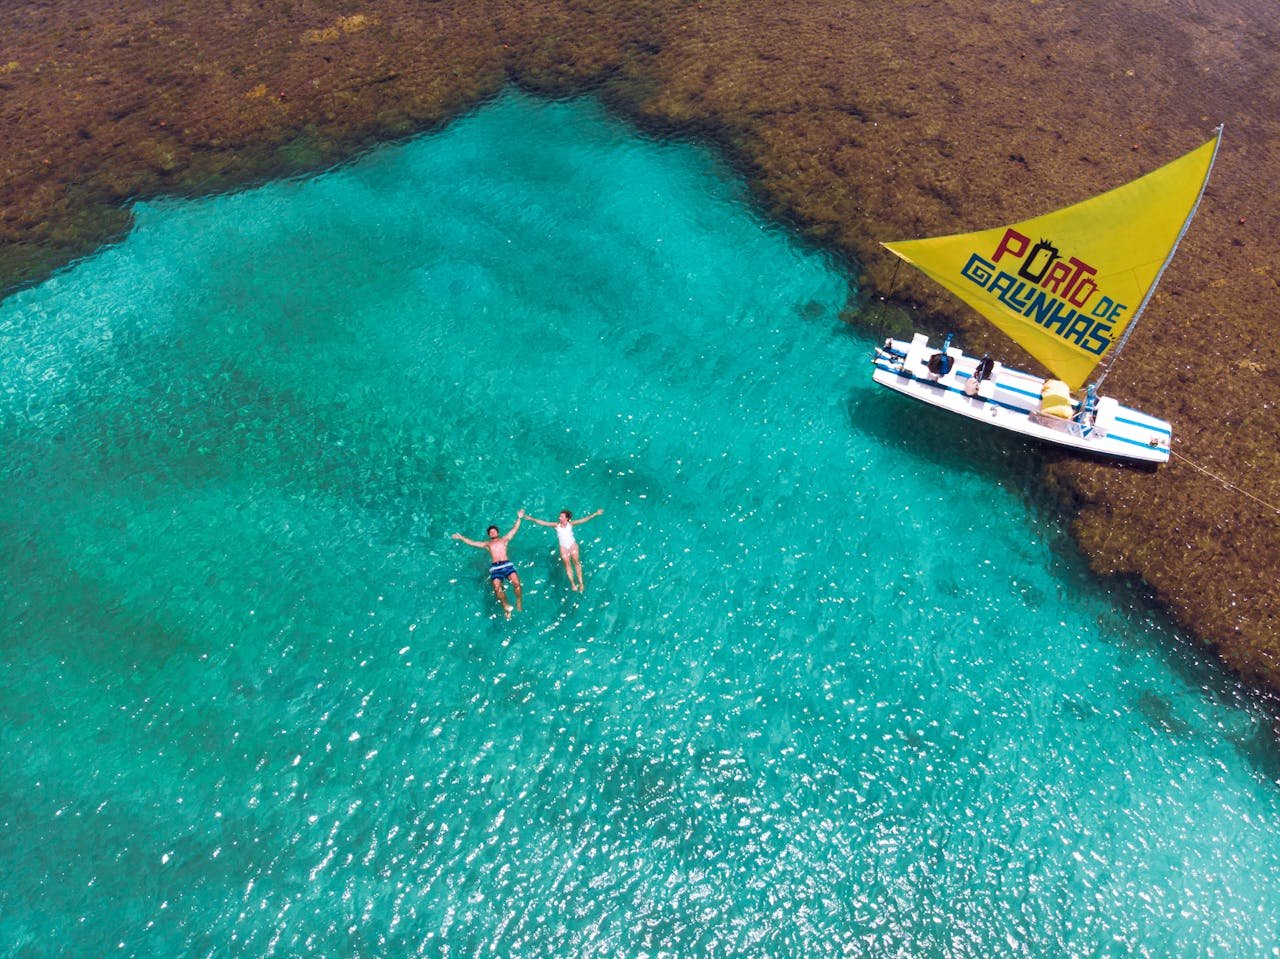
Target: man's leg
x=515, y=580
x=501, y=594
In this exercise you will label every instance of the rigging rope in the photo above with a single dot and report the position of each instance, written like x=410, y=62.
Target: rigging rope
x=1227, y=483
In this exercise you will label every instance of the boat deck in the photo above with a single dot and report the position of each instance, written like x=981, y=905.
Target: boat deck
x=1010, y=400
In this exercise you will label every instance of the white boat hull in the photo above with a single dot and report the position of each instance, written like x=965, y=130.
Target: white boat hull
x=1010, y=399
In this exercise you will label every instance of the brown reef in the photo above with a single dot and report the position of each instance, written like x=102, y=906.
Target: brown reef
x=857, y=121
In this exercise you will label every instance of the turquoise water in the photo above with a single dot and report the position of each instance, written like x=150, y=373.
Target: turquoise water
x=834, y=687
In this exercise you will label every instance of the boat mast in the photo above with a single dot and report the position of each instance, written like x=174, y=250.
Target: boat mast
x=1106, y=368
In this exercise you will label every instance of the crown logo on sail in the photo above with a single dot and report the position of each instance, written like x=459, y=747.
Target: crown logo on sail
x=1044, y=250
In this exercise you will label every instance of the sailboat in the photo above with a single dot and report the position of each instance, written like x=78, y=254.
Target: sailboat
x=1069, y=287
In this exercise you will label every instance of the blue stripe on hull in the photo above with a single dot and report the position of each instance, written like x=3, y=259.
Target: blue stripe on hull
x=1154, y=427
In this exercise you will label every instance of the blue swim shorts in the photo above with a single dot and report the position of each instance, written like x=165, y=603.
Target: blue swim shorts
x=501, y=570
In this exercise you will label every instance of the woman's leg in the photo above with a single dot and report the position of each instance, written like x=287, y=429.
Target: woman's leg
x=577, y=562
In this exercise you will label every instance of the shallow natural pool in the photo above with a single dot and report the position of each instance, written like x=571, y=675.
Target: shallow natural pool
x=831, y=689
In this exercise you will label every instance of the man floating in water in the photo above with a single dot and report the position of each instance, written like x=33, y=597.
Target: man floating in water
x=568, y=543
x=501, y=568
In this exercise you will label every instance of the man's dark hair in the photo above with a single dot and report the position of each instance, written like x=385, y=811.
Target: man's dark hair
x=491, y=529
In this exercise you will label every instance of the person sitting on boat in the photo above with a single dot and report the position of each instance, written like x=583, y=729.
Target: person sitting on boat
x=940, y=364
x=889, y=350
x=1088, y=410
x=980, y=372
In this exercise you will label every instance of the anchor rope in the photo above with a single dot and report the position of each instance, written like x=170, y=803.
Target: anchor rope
x=1227, y=483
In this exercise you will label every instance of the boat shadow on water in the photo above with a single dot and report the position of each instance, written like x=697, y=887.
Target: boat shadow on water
x=943, y=440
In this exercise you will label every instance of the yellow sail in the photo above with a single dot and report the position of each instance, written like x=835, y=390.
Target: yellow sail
x=1065, y=285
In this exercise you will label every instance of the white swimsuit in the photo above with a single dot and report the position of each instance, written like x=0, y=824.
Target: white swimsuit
x=565, y=535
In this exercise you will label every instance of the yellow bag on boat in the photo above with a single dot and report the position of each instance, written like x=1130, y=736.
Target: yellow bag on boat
x=1055, y=399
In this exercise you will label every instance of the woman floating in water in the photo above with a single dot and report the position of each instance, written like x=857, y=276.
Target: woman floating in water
x=568, y=543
